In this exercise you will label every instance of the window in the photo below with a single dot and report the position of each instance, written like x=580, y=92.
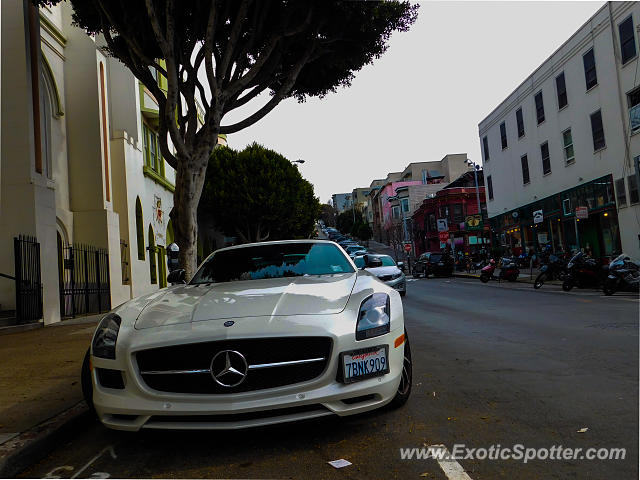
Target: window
x=590, y=77
x=424, y=177
x=597, y=131
x=546, y=161
x=561, y=88
x=627, y=40
x=457, y=216
x=490, y=187
x=633, y=101
x=139, y=229
x=395, y=212
x=520, y=123
x=621, y=193
x=503, y=135
x=485, y=145
x=633, y=189
x=153, y=157
x=153, y=270
x=566, y=206
x=567, y=141
x=525, y=169
x=539, y=107
x=405, y=205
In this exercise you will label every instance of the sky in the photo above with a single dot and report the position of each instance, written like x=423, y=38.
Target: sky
x=423, y=98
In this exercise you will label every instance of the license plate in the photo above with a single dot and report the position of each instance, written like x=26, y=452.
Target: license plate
x=365, y=363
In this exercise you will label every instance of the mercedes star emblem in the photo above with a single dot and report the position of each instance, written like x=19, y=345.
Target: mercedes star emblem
x=229, y=368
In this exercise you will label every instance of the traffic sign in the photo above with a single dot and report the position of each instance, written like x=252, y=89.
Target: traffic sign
x=407, y=247
x=444, y=236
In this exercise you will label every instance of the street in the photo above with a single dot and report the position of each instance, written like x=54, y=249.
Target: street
x=493, y=364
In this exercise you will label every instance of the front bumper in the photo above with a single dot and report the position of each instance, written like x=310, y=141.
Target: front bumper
x=399, y=284
x=138, y=406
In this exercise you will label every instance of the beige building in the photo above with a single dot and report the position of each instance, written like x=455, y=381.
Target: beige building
x=81, y=169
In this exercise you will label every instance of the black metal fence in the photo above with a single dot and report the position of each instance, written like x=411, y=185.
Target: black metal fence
x=85, y=285
x=28, y=279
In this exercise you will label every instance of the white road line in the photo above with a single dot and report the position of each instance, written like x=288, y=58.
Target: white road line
x=452, y=469
x=88, y=464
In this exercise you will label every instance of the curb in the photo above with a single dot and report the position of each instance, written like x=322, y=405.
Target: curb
x=31, y=446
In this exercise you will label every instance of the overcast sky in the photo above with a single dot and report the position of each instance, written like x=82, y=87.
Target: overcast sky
x=424, y=98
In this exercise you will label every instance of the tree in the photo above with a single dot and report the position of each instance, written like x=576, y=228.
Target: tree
x=225, y=53
x=344, y=222
x=257, y=194
x=365, y=232
x=328, y=215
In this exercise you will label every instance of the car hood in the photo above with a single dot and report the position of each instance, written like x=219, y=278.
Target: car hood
x=380, y=271
x=311, y=295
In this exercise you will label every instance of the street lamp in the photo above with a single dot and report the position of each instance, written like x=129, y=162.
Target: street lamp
x=297, y=161
x=476, y=167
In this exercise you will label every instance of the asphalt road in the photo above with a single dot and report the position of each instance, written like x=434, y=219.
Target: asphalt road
x=493, y=364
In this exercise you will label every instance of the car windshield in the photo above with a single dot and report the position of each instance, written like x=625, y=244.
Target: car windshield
x=387, y=261
x=435, y=257
x=272, y=261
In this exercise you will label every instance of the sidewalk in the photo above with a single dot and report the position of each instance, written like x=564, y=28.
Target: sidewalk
x=39, y=379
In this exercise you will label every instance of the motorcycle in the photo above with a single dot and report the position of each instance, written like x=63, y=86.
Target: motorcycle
x=508, y=271
x=554, y=267
x=582, y=272
x=624, y=275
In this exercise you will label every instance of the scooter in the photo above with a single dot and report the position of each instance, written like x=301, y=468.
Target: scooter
x=582, y=272
x=624, y=275
x=554, y=267
x=508, y=271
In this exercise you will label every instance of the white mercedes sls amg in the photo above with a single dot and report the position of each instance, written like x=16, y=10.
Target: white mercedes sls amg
x=263, y=333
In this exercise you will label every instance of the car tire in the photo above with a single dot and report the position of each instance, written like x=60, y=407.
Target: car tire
x=87, y=383
x=484, y=278
x=404, y=389
x=567, y=285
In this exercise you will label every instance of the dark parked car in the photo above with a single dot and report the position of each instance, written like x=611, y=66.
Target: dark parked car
x=435, y=263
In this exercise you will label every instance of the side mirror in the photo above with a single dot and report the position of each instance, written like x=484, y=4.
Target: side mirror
x=176, y=276
x=372, y=262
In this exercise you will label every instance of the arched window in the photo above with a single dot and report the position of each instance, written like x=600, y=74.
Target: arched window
x=153, y=270
x=139, y=229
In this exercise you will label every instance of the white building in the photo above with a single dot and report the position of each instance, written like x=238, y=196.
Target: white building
x=564, y=143
x=80, y=168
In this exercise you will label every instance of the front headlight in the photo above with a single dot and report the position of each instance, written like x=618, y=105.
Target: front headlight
x=374, y=317
x=104, y=340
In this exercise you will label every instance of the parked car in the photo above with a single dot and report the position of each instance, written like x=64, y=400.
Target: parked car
x=358, y=253
x=433, y=263
x=186, y=357
x=355, y=248
x=385, y=268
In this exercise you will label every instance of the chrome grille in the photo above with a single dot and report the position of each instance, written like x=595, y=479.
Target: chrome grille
x=272, y=362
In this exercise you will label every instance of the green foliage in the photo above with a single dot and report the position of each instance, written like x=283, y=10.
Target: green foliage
x=328, y=215
x=365, y=233
x=257, y=194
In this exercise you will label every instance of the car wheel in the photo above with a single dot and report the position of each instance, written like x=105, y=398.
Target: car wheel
x=404, y=389
x=567, y=285
x=484, y=278
x=87, y=384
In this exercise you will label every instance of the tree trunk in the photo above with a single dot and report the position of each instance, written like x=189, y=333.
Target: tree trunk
x=190, y=178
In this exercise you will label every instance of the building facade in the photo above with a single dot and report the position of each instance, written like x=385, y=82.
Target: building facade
x=466, y=228
x=81, y=169
x=560, y=153
x=341, y=202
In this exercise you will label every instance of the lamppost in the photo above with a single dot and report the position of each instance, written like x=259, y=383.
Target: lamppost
x=476, y=167
x=297, y=161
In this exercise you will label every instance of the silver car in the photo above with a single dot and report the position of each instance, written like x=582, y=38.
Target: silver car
x=385, y=268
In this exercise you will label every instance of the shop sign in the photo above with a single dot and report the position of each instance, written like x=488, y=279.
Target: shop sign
x=543, y=238
x=443, y=225
x=538, y=217
x=582, y=213
x=444, y=236
x=473, y=240
x=473, y=222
